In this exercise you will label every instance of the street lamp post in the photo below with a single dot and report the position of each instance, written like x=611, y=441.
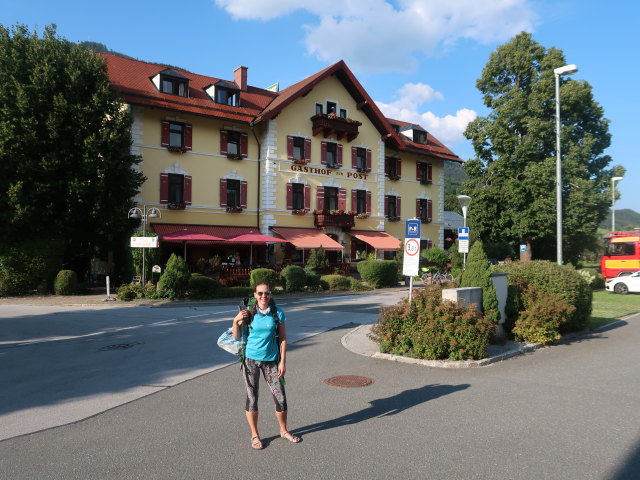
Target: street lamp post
x=144, y=215
x=566, y=70
x=613, y=201
x=464, y=201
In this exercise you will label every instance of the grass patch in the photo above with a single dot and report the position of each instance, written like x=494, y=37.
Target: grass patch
x=608, y=306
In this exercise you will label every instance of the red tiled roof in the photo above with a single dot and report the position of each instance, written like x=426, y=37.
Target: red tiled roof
x=434, y=147
x=132, y=80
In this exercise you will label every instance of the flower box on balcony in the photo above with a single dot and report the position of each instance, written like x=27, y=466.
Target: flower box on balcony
x=425, y=220
x=334, y=125
x=361, y=170
x=234, y=209
x=424, y=181
x=298, y=212
x=234, y=156
x=362, y=215
x=334, y=218
x=176, y=149
x=300, y=161
x=394, y=176
x=176, y=206
x=393, y=219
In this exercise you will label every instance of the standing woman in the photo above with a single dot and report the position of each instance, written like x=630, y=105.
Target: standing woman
x=261, y=355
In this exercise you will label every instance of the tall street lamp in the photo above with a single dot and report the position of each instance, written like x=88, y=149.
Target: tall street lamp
x=566, y=70
x=464, y=201
x=144, y=215
x=613, y=201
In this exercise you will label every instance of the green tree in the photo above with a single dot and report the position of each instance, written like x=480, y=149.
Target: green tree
x=65, y=162
x=512, y=179
x=478, y=274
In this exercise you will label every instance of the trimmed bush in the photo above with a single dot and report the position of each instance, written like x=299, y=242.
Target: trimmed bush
x=312, y=279
x=129, y=291
x=175, y=280
x=435, y=255
x=357, y=286
x=336, y=282
x=293, y=278
x=562, y=282
x=429, y=328
x=478, y=274
x=595, y=280
x=540, y=321
x=379, y=273
x=66, y=283
x=201, y=287
x=263, y=275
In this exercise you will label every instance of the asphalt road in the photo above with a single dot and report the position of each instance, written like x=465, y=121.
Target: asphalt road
x=565, y=412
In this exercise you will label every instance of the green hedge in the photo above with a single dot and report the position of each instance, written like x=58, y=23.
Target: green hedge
x=336, y=282
x=263, y=275
x=429, y=328
x=563, y=283
x=202, y=287
x=66, y=283
x=293, y=278
x=379, y=273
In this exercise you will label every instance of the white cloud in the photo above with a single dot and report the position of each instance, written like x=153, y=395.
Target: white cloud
x=412, y=96
x=383, y=36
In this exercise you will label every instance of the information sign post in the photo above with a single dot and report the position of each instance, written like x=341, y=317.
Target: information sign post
x=463, y=244
x=411, y=259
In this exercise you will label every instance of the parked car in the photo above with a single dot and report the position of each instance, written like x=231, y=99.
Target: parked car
x=624, y=284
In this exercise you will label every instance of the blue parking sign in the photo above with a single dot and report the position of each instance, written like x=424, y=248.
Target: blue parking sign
x=412, y=229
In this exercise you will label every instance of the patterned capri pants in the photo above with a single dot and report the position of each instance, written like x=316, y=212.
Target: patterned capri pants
x=251, y=375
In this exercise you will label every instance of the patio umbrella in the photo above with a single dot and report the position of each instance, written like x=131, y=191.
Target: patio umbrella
x=186, y=235
x=252, y=238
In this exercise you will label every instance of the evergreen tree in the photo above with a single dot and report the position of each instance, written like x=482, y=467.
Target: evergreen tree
x=512, y=179
x=65, y=162
x=478, y=274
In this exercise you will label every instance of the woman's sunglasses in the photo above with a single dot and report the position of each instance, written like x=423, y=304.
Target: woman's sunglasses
x=260, y=294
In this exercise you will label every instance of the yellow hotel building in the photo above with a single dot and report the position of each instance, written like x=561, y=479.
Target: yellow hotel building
x=316, y=164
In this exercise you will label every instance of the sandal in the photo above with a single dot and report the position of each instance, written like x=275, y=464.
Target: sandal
x=290, y=436
x=256, y=443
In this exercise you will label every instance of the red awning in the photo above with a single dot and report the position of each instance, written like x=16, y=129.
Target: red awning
x=187, y=235
x=224, y=232
x=255, y=238
x=379, y=240
x=307, y=238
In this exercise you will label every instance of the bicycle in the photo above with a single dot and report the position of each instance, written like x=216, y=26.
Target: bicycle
x=430, y=278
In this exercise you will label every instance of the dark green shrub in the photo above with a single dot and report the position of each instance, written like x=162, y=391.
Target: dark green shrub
x=594, y=279
x=129, y=291
x=431, y=329
x=263, y=275
x=542, y=317
x=379, y=273
x=336, y=282
x=312, y=279
x=357, y=286
x=201, y=287
x=175, y=279
x=30, y=266
x=66, y=283
x=548, y=279
x=293, y=278
x=238, y=292
x=149, y=290
x=435, y=255
x=478, y=274
x=317, y=260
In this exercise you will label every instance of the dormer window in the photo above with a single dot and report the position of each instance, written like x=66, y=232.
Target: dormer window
x=171, y=82
x=227, y=97
x=420, y=137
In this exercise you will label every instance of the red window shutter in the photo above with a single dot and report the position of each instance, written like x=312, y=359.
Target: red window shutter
x=399, y=167
x=386, y=205
x=186, y=192
x=429, y=210
x=429, y=172
x=354, y=157
x=223, y=142
x=164, y=188
x=323, y=153
x=320, y=198
x=307, y=197
x=339, y=155
x=342, y=199
x=243, y=194
x=164, y=134
x=418, y=167
x=418, y=208
x=398, y=207
x=307, y=149
x=386, y=166
x=368, y=160
x=223, y=192
x=289, y=147
x=188, y=136
x=244, y=144
x=369, y=203
x=289, y=196
x=354, y=200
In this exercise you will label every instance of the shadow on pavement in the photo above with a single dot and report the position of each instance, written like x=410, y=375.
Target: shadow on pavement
x=384, y=407
x=631, y=468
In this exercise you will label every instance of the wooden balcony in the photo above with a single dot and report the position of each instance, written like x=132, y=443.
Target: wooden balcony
x=327, y=219
x=333, y=125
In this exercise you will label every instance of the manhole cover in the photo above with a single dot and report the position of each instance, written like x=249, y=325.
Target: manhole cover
x=119, y=346
x=349, y=381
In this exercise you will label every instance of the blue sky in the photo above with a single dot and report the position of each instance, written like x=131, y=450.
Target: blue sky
x=418, y=59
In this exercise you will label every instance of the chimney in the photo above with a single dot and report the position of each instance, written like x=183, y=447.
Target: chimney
x=240, y=77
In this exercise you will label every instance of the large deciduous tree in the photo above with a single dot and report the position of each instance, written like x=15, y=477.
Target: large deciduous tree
x=67, y=175
x=512, y=179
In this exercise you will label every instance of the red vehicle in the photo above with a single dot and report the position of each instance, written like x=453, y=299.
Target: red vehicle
x=622, y=254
